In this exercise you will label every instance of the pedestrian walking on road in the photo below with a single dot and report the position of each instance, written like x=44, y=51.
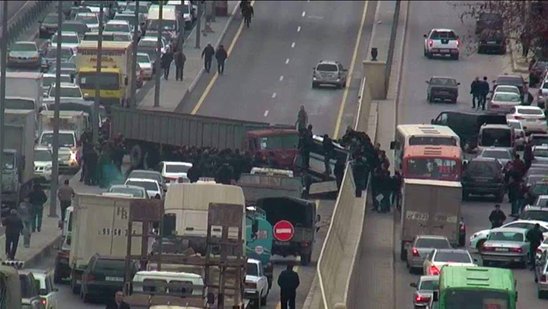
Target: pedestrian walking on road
x=208, y=54
x=483, y=91
x=328, y=152
x=302, y=119
x=65, y=195
x=288, y=282
x=525, y=40
x=339, y=172
x=118, y=302
x=247, y=13
x=221, y=56
x=37, y=198
x=25, y=213
x=535, y=238
x=167, y=58
x=14, y=226
x=180, y=59
x=475, y=92
x=497, y=217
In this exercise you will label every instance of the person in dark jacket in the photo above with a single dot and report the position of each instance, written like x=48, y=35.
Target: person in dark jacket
x=339, y=172
x=167, y=58
x=180, y=59
x=194, y=172
x=14, y=226
x=359, y=171
x=497, y=217
x=37, y=198
x=515, y=195
x=307, y=182
x=208, y=54
x=528, y=155
x=224, y=174
x=302, y=119
x=535, y=238
x=118, y=302
x=474, y=91
x=288, y=282
x=328, y=152
x=483, y=91
x=247, y=13
x=221, y=56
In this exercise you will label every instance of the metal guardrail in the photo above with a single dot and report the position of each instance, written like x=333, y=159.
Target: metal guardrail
x=26, y=18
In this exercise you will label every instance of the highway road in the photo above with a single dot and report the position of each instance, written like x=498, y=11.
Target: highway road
x=413, y=108
x=268, y=74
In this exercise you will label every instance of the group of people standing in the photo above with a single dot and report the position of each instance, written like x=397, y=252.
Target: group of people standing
x=479, y=89
x=101, y=163
x=168, y=57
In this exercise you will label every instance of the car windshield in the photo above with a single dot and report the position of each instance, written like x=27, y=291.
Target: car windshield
x=176, y=168
x=540, y=215
x=25, y=104
x=122, y=37
x=117, y=28
x=147, y=43
x=540, y=152
x=443, y=82
x=74, y=27
x=474, y=298
x=279, y=142
x=506, y=80
x=128, y=18
x=50, y=19
x=133, y=191
x=145, y=175
x=540, y=188
x=515, y=124
x=432, y=168
x=538, y=140
x=530, y=111
x=510, y=89
x=107, y=81
x=327, y=67
x=87, y=19
x=169, y=25
x=542, y=202
x=482, y=168
x=143, y=58
x=50, y=80
x=8, y=160
x=435, y=243
x=252, y=269
x=506, y=236
x=502, y=154
x=42, y=155
x=428, y=285
x=148, y=185
x=506, y=97
x=452, y=257
x=142, y=8
x=109, y=266
x=496, y=137
x=65, y=139
x=24, y=47
x=67, y=92
x=66, y=53
x=71, y=39
x=439, y=35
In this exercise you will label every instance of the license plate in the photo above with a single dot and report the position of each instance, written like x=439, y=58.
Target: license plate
x=532, y=120
x=501, y=249
x=117, y=279
x=492, y=42
x=444, y=50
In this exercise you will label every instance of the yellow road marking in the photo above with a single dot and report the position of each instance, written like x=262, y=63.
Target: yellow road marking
x=350, y=71
x=214, y=79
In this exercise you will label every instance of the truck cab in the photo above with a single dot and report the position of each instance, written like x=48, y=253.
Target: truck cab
x=278, y=147
x=259, y=239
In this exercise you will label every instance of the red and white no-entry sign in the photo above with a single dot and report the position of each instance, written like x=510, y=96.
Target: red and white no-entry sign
x=283, y=230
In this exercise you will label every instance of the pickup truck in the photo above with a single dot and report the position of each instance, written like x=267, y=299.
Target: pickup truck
x=441, y=42
x=256, y=284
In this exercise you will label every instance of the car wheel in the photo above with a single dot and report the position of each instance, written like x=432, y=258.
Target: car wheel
x=263, y=300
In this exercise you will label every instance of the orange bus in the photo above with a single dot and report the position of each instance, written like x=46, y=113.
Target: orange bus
x=432, y=162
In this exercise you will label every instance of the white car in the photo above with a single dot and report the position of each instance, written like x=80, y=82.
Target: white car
x=441, y=42
x=49, y=79
x=478, y=238
x=68, y=40
x=68, y=91
x=133, y=191
x=540, y=153
x=438, y=258
x=504, y=155
x=42, y=163
x=503, y=102
x=172, y=171
x=122, y=26
x=90, y=19
x=256, y=283
x=68, y=148
x=507, y=88
x=531, y=117
x=146, y=65
x=151, y=186
x=519, y=133
x=48, y=291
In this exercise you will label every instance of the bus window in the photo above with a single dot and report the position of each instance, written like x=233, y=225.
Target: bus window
x=432, y=168
x=431, y=140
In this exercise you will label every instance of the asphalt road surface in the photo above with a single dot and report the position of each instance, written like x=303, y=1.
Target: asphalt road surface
x=268, y=74
x=413, y=108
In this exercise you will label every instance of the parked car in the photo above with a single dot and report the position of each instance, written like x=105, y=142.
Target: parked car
x=533, y=192
x=68, y=91
x=424, y=290
x=48, y=291
x=478, y=238
x=49, y=59
x=134, y=191
x=443, y=42
x=506, y=88
x=537, y=71
x=506, y=244
x=328, y=72
x=103, y=277
x=421, y=246
x=24, y=54
x=492, y=41
x=118, y=26
x=153, y=188
x=438, y=258
x=49, y=79
x=542, y=201
x=518, y=81
x=442, y=88
x=534, y=213
x=483, y=176
x=532, y=118
x=503, y=102
x=90, y=19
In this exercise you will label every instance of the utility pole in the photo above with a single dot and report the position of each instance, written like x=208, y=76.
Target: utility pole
x=55, y=157
x=94, y=117
x=159, y=57
x=199, y=24
x=3, y=61
x=132, y=101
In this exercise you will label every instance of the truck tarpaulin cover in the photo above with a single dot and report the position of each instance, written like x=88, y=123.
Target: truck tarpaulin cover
x=297, y=211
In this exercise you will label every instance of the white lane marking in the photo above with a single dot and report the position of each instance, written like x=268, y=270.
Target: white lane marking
x=281, y=77
x=299, y=29
x=304, y=14
x=266, y=113
x=315, y=17
x=274, y=95
x=286, y=60
x=293, y=45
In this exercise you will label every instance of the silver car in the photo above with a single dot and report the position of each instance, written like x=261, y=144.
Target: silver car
x=506, y=244
x=421, y=246
x=504, y=155
x=329, y=73
x=424, y=290
x=24, y=54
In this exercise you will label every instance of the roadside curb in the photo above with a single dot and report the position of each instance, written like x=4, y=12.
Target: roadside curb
x=46, y=251
x=202, y=70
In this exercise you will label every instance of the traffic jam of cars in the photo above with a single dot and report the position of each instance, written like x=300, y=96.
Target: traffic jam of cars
x=499, y=149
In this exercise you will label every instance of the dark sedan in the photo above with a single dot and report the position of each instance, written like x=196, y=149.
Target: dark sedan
x=442, y=88
x=492, y=41
x=483, y=176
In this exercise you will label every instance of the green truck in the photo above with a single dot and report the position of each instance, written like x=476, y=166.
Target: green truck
x=475, y=287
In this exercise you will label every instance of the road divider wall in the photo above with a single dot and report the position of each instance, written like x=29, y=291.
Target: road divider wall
x=26, y=17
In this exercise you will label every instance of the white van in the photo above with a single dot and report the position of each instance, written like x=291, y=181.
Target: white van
x=168, y=282
x=170, y=22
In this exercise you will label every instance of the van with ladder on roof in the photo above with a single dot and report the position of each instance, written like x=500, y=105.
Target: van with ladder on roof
x=475, y=287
